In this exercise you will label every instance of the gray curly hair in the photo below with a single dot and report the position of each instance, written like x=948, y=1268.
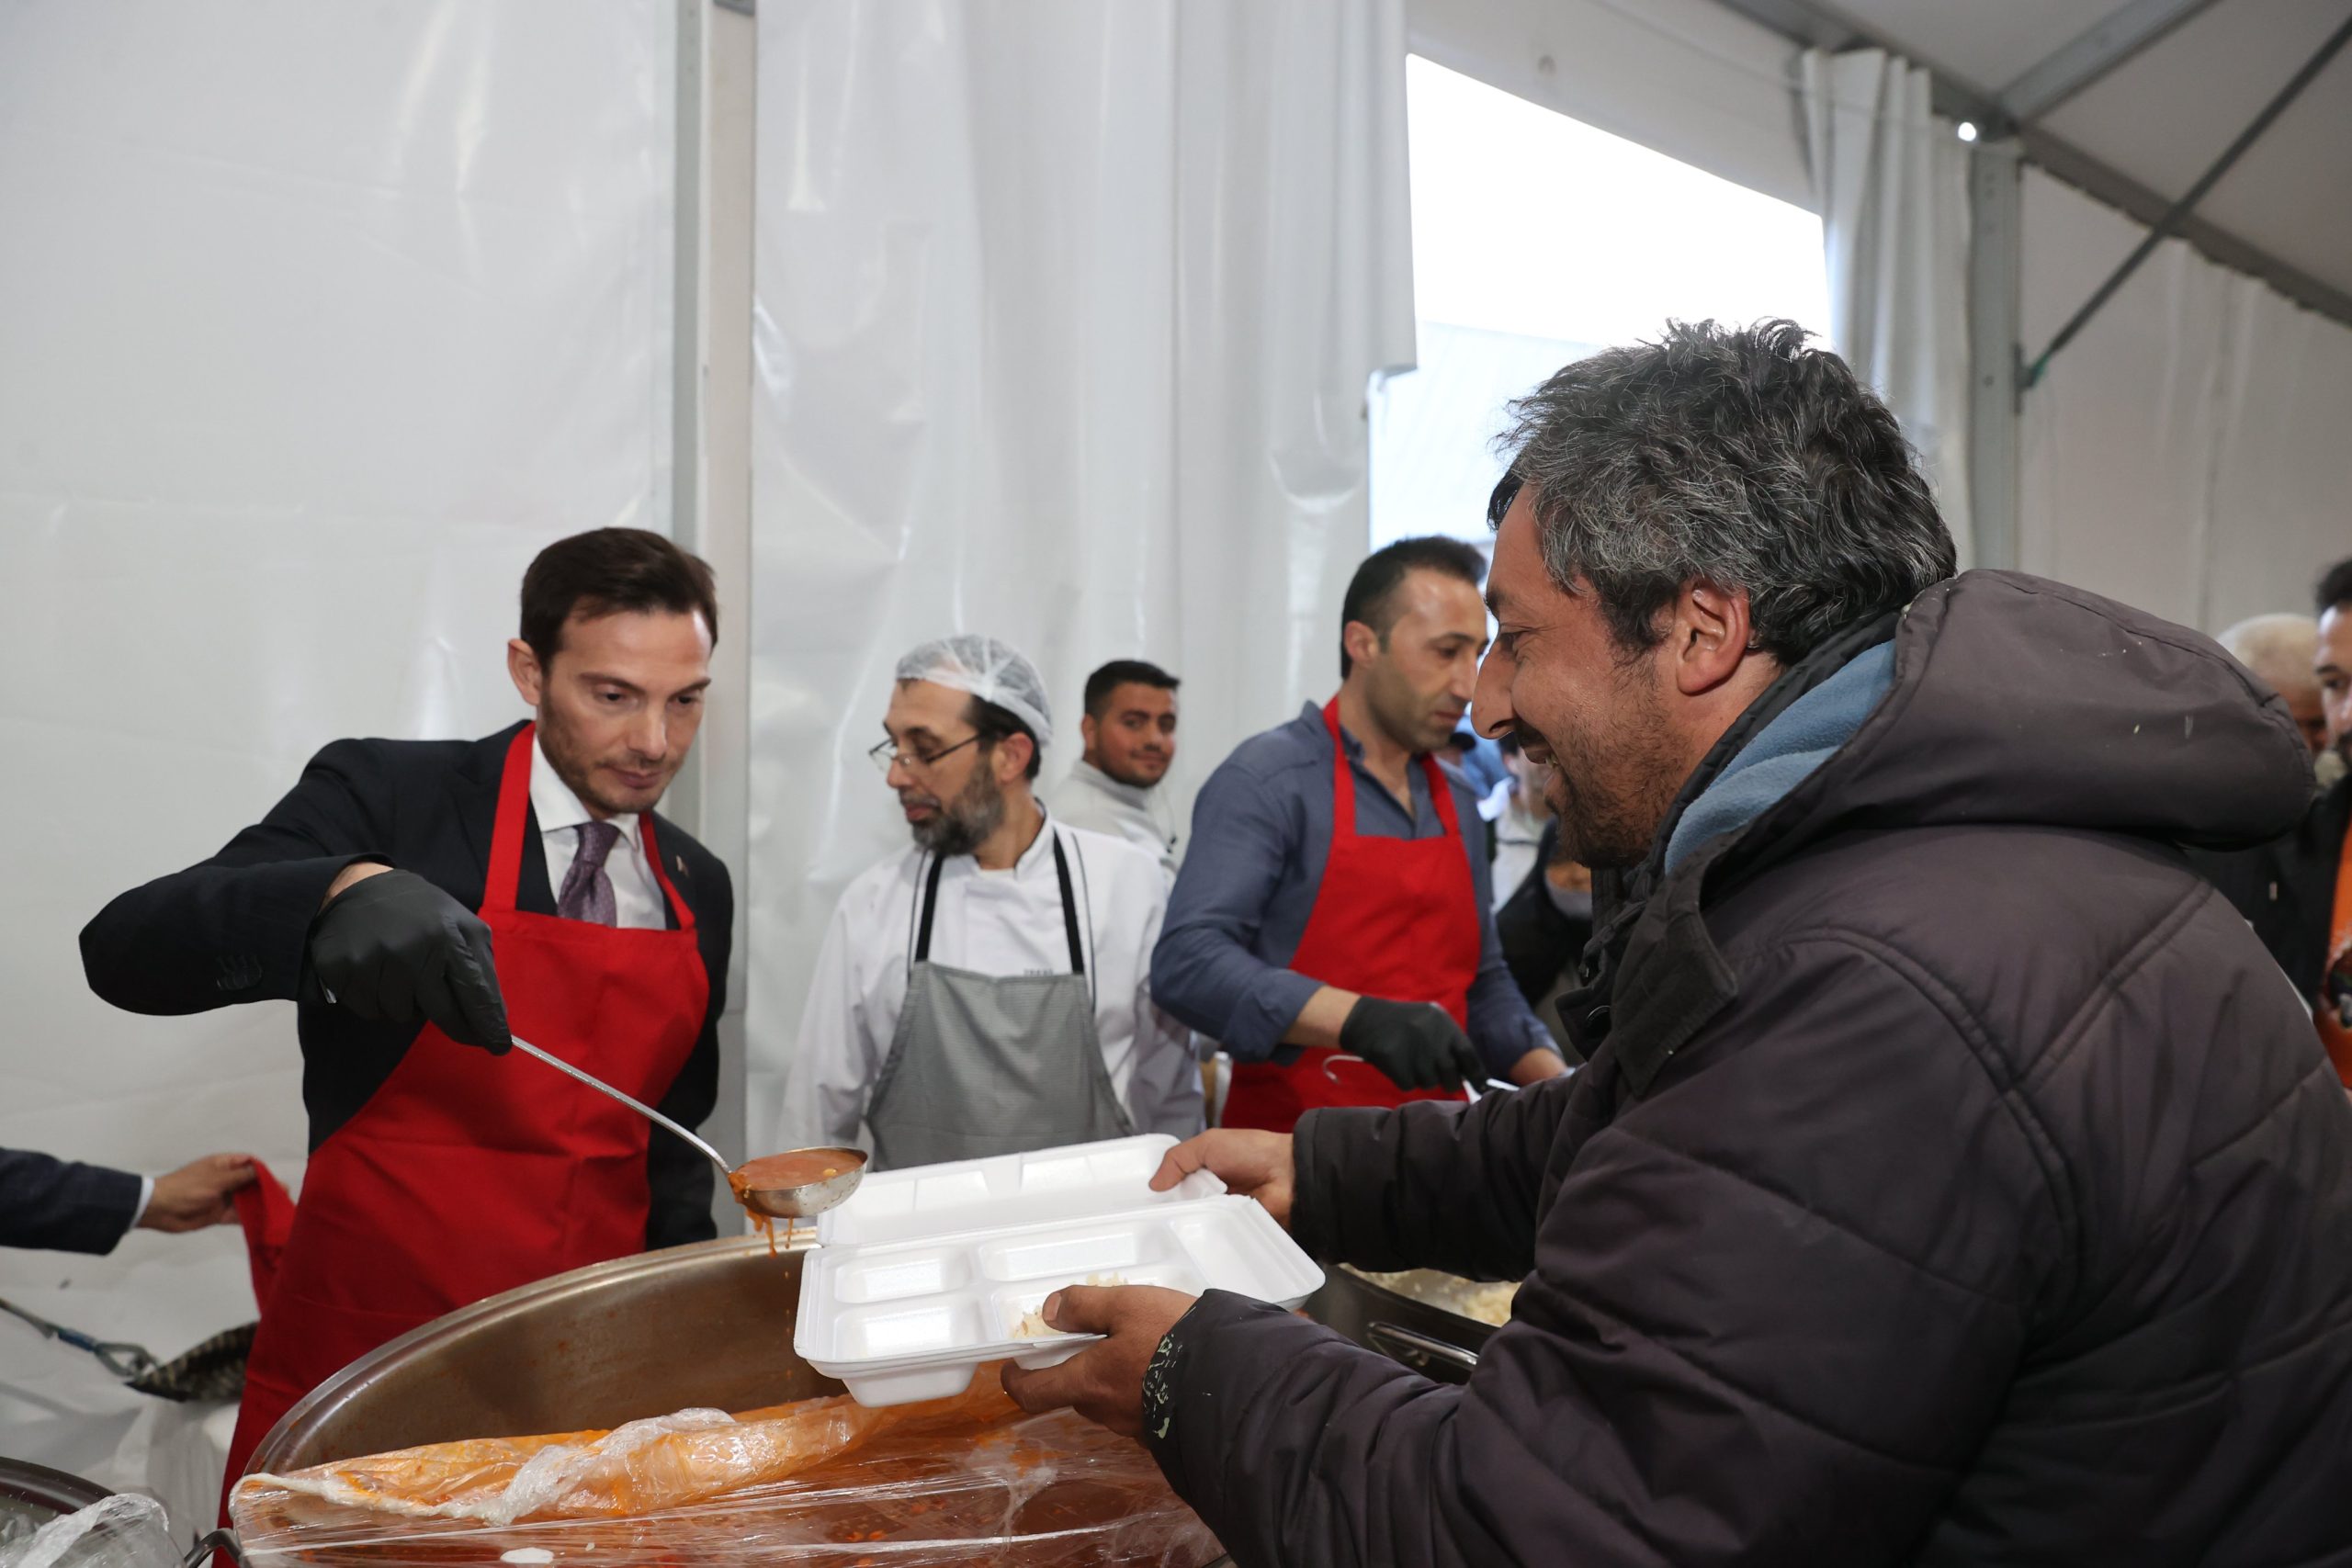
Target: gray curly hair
x=1735, y=457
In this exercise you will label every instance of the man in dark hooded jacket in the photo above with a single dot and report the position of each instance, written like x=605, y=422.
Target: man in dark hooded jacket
x=1955, y=1179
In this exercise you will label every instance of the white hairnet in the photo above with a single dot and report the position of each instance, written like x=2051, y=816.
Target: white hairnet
x=990, y=669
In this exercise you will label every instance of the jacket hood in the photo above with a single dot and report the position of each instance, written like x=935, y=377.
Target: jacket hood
x=2014, y=702
x=2021, y=701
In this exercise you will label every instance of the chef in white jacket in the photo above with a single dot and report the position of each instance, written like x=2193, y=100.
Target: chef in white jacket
x=987, y=990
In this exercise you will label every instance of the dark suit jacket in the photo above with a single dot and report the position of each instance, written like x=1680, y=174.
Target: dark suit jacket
x=2285, y=888
x=60, y=1204
x=236, y=929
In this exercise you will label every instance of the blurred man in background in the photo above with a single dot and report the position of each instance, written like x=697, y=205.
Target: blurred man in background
x=1129, y=731
x=1519, y=813
x=2292, y=889
x=2283, y=651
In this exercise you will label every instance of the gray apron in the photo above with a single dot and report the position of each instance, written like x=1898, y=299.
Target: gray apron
x=992, y=1064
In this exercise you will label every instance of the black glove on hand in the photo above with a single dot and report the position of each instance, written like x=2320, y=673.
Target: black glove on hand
x=1418, y=1045
x=395, y=947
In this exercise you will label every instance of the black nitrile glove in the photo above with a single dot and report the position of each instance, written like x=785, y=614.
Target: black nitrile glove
x=396, y=948
x=1418, y=1045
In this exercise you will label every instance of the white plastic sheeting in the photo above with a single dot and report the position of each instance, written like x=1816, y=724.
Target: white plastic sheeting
x=1891, y=181
x=319, y=321
x=2187, y=452
x=1065, y=316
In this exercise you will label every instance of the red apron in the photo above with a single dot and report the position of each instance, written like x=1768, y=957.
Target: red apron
x=465, y=1174
x=1393, y=917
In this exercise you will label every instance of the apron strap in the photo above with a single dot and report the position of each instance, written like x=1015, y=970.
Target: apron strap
x=499, y=885
x=678, y=908
x=930, y=899
x=1344, y=778
x=1069, y=909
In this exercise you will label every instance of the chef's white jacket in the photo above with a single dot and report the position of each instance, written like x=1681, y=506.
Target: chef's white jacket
x=992, y=922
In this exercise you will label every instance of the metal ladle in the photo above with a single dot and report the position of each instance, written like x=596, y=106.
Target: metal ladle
x=803, y=1201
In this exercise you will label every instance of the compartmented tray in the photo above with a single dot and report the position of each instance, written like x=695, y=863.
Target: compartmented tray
x=927, y=1272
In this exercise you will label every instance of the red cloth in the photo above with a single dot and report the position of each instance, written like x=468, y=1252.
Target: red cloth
x=266, y=1213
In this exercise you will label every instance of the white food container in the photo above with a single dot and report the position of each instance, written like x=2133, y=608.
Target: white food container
x=926, y=1273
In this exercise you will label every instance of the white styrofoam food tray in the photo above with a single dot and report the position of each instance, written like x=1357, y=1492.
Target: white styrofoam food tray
x=926, y=1273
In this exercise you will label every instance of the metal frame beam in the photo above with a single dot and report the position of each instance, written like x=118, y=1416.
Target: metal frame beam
x=1995, y=264
x=710, y=498
x=1809, y=23
x=2165, y=227
x=2123, y=33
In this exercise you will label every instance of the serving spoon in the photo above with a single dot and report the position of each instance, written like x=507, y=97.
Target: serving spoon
x=799, y=1185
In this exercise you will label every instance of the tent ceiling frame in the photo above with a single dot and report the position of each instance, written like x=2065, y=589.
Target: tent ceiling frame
x=2163, y=227
x=2108, y=43
x=1811, y=24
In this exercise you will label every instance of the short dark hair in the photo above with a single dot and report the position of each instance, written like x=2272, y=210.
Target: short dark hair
x=997, y=724
x=2334, y=589
x=607, y=571
x=1373, y=589
x=1123, y=672
x=1735, y=457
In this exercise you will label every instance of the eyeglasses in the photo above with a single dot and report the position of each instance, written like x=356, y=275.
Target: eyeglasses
x=887, y=755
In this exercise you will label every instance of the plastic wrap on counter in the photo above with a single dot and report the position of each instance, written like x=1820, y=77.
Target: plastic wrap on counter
x=121, y=1532
x=823, y=1484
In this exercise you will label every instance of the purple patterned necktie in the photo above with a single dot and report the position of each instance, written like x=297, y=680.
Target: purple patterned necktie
x=587, y=892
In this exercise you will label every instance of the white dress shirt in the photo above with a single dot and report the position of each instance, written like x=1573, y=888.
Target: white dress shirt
x=637, y=897
x=997, y=923
x=1144, y=817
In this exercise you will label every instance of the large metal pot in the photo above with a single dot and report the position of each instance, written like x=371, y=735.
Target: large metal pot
x=36, y=1493
x=1427, y=1338
x=708, y=1325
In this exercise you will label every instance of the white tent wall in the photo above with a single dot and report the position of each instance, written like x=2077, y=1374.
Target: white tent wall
x=318, y=322
x=1065, y=317
x=2185, y=453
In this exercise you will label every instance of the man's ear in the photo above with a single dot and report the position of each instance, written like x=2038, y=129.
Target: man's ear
x=1361, y=641
x=1086, y=733
x=1708, y=636
x=522, y=668
x=1011, y=756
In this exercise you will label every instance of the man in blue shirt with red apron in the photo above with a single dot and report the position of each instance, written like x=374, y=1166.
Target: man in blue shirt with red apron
x=375, y=897
x=1332, y=926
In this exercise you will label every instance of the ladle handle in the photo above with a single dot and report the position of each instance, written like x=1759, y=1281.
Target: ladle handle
x=601, y=1087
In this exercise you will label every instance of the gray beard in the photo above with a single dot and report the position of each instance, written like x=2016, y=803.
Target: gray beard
x=964, y=823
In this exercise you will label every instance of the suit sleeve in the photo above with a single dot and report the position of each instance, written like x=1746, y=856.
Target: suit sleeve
x=679, y=1182
x=1715, y=1278
x=65, y=1206
x=235, y=928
